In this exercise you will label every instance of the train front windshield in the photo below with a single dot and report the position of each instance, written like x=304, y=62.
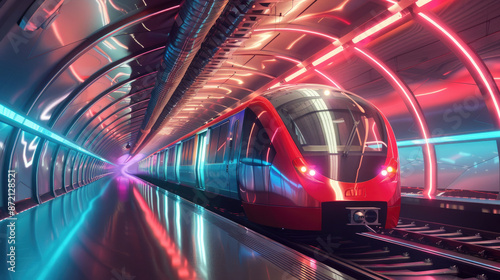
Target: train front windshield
x=339, y=135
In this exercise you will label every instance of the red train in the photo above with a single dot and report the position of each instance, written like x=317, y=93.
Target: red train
x=303, y=157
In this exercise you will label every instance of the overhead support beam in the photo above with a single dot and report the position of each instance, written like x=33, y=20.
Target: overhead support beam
x=472, y=61
x=122, y=129
x=98, y=75
x=98, y=114
x=474, y=64
x=194, y=21
x=120, y=123
x=430, y=163
x=107, y=92
x=111, y=115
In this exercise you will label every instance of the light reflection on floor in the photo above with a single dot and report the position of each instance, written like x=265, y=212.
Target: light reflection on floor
x=122, y=228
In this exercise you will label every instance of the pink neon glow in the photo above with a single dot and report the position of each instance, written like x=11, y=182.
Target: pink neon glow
x=376, y=28
x=295, y=42
x=178, y=261
x=103, y=9
x=119, y=43
x=298, y=62
x=119, y=74
x=263, y=65
x=107, y=44
x=471, y=59
x=296, y=74
x=272, y=141
x=324, y=35
x=421, y=3
x=375, y=133
x=77, y=76
x=116, y=7
x=100, y=120
x=56, y=33
x=423, y=127
x=51, y=12
x=103, y=53
x=59, y=38
x=432, y=92
x=322, y=15
x=251, y=131
x=328, y=78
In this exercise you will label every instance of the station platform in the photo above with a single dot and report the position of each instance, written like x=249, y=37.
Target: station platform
x=121, y=227
x=468, y=212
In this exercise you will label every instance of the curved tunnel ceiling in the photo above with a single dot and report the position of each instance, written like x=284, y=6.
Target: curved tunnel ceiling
x=88, y=71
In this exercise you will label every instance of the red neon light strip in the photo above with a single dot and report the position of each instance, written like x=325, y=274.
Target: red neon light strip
x=324, y=35
x=421, y=123
x=328, y=78
x=470, y=58
x=289, y=59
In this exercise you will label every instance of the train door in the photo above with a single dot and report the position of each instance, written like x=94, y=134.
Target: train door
x=200, y=160
x=231, y=167
x=165, y=165
x=178, y=154
x=216, y=162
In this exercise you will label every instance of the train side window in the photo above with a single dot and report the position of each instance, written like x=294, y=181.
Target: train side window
x=221, y=145
x=233, y=140
x=187, y=152
x=171, y=156
x=258, y=149
x=212, y=148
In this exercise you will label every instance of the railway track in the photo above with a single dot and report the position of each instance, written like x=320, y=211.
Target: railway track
x=483, y=244
x=396, y=258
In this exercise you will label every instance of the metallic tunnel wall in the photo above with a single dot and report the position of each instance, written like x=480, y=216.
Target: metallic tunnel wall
x=37, y=168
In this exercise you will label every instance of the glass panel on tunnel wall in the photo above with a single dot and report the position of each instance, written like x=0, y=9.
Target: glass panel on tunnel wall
x=471, y=167
x=44, y=168
x=412, y=167
x=22, y=163
x=81, y=169
x=58, y=167
x=74, y=174
x=69, y=168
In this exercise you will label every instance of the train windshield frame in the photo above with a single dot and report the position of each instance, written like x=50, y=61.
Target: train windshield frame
x=339, y=134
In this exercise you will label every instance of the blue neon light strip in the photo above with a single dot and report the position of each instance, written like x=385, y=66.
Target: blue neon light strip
x=30, y=126
x=454, y=138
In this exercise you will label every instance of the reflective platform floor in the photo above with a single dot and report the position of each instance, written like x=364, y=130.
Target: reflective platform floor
x=124, y=228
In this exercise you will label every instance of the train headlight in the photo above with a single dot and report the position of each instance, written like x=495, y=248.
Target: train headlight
x=390, y=170
x=304, y=169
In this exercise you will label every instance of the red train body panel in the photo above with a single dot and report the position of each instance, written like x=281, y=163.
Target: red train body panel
x=303, y=157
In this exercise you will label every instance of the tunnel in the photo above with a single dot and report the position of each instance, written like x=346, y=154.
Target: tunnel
x=249, y=139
